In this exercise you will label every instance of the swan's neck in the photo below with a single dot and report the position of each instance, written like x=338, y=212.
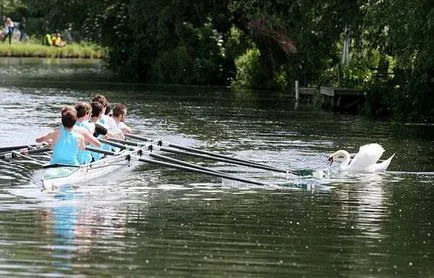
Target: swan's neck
x=345, y=160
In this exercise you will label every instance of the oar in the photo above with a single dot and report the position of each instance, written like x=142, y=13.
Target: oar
x=157, y=155
x=202, y=171
x=16, y=148
x=210, y=155
x=101, y=151
x=253, y=165
x=114, y=144
x=206, y=156
x=13, y=154
x=137, y=137
x=181, y=162
x=160, y=143
x=181, y=165
x=126, y=142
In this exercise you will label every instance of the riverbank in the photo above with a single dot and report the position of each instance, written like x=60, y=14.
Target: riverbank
x=29, y=49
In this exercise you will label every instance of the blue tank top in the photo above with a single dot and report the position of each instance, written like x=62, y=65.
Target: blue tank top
x=83, y=156
x=65, y=149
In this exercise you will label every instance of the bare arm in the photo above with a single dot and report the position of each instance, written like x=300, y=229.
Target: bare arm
x=81, y=142
x=127, y=129
x=50, y=137
x=88, y=137
x=120, y=135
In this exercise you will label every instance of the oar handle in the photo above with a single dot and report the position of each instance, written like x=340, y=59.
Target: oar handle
x=126, y=142
x=96, y=150
x=114, y=144
x=137, y=137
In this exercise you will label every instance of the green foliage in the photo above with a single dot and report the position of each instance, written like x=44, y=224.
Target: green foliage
x=282, y=81
x=358, y=76
x=403, y=30
x=216, y=42
x=249, y=70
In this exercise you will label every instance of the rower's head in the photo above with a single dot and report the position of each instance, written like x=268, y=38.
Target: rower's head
x=119, y=112
x=83, y=109
x=101, y=99
x=97, y=109
x=108, y=109
x=69, y=117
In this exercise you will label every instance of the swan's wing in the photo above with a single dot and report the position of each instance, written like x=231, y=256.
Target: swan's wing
x=366, y=157
x=381, y=167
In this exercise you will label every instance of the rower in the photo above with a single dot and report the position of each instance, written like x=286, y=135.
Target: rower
x=83, y=114
x=100, y=130
x=119, y=114
x=107, y=121
x=66, y=142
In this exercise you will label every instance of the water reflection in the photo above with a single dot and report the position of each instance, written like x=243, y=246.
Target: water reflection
x=61, y=225
x=366, y=202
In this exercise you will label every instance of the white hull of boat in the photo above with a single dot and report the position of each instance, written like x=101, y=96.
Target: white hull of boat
x=60, y=175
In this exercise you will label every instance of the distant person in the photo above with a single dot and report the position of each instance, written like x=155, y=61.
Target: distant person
x=47, y=40
x=10, y=26
x=57, y=40
x=22, y=28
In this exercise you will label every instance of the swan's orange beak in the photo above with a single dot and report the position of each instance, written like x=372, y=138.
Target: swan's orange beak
x=330, y=161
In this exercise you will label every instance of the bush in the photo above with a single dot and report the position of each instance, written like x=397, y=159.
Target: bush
x=249, y=70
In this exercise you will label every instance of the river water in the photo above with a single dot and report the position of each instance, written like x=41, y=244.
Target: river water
x=161, y=222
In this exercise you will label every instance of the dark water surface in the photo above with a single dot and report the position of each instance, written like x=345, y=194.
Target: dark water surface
x=159, y=222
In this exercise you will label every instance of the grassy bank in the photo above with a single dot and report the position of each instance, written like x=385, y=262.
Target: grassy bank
x=33, y=49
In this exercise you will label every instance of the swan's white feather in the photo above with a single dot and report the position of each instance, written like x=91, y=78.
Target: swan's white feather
x=364, y=161
x=367, y=156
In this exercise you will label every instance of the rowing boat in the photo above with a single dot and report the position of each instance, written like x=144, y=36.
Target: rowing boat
x=131, y=152
x=55, y=175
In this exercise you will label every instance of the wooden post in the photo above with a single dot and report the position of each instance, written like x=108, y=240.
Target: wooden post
x=297, y=93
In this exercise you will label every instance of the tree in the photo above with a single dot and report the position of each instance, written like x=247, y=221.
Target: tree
x=404, y=30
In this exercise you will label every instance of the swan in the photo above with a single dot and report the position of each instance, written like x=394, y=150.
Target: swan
x=364, y=161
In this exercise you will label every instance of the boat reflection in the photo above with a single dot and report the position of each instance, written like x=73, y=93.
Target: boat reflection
x=72, y=226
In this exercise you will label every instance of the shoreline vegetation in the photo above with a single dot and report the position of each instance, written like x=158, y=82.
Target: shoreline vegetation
x=32, y=49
